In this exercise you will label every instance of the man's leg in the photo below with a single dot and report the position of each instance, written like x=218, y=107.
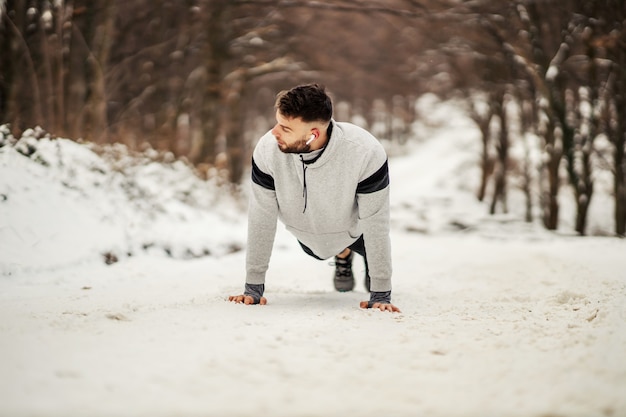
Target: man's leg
x=344, y=279
x=359, y=247
x=346, y=252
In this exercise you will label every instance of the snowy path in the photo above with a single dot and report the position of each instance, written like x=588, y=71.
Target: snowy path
x=499, y=318
x=524, y=327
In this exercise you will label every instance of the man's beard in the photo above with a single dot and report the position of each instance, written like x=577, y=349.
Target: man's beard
x=297, y=147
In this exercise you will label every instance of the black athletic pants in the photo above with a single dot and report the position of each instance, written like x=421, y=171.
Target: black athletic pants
x=358, y=246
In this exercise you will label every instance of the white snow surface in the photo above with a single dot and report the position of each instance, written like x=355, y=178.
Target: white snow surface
x=499, y=317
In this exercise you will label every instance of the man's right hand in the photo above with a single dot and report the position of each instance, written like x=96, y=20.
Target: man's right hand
x=246, y=299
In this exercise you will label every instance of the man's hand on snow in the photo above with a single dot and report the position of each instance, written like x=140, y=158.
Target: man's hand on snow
x=247, y=299
x=380, y=300
x=253, y=294
x=380, y=306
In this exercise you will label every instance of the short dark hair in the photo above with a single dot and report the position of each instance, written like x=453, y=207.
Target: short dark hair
x=308, y=102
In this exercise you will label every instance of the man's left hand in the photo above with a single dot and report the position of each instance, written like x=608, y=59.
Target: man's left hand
x=381, y=306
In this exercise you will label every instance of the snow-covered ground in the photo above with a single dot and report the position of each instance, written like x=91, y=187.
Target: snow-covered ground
x=499, y=317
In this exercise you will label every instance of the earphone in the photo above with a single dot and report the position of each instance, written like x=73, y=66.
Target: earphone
x=311, y=139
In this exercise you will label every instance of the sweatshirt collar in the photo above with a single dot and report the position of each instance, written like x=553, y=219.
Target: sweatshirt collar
x=312, y=157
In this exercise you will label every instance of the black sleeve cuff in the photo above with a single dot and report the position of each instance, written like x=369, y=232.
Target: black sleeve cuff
x=255, y=291
x=383, y=297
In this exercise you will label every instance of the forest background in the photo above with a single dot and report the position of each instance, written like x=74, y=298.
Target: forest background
x=196, y=79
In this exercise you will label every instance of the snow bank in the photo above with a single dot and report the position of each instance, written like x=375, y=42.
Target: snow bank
x=62, y=203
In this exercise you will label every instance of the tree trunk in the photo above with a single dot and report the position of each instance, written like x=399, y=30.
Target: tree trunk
x=528, y=119
x=620, y=189
x=103, y=17
x=483, y=121
x=486, y=162
x=235, y=144
x=500, y=189
x=92, y=26
x=217, y=53
x=550, y=201
x=59, y=66
x=7, y=83
x=619, y=151
x=75, y=76
x=584, y=185
x=23, y=98
x=619, y=134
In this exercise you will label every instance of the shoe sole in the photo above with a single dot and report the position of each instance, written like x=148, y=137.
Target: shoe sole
x=344, y=286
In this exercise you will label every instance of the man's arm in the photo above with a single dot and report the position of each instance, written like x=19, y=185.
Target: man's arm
x=372, y=195
x=373, y=203
x=262, y=219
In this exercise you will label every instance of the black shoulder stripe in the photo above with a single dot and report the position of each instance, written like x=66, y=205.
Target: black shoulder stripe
x=261, y=178
x=375, y=182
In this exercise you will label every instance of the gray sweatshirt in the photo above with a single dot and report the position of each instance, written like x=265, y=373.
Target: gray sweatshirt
x=327, y=204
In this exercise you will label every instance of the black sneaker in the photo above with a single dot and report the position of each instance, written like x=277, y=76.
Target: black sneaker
x=344, y=279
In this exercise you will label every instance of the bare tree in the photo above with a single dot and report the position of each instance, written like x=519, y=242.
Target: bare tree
x=610, y=39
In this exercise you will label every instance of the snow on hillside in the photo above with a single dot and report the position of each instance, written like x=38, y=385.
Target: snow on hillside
x=499, y=317
x=65, y=203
